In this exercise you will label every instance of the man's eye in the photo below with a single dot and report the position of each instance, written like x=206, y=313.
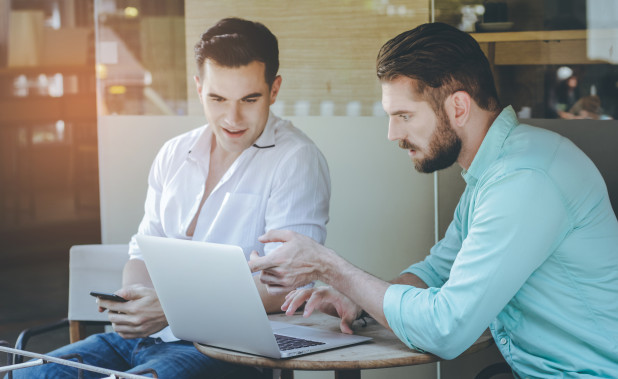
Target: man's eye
x=404, y=117
x=217, y=99
x=250, y=100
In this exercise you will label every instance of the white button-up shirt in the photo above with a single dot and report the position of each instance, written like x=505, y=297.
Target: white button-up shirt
x=281, y=182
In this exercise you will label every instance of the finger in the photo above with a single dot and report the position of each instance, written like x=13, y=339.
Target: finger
x=291, y=294
x=345, y=327
x=260, y=263
x=254, y=254
x=272, y=272
x=313, y=303
x=271, y=278
x=115, y=307
x=117, y=319
x=276, y=236
x=288, y=299
x=308, y=311
x=297, y=302
x=105, y=304
x=126, y=292
x=131, y=292
x=284, y=306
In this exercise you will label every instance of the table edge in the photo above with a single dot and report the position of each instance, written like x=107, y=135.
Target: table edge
x=295, y=364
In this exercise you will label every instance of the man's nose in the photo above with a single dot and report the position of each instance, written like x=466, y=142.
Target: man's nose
x=394, y=133
x=233, y=115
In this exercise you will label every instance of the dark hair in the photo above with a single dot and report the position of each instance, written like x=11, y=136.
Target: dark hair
x=234, y=42
x=443, y=60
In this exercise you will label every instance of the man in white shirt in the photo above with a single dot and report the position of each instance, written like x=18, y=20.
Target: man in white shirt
x=244, y=173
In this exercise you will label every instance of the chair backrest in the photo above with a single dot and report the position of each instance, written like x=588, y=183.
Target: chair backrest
x=93, y=268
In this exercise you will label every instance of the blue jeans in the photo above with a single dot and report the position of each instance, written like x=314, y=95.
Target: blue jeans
x=170, y=360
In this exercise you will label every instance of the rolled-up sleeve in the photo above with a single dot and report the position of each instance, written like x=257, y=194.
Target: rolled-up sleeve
x=514, y=224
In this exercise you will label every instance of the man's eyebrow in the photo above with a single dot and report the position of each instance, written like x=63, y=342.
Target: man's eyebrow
x=402, y=111
x=252, y=96
x=247, y=97
x=212, y=94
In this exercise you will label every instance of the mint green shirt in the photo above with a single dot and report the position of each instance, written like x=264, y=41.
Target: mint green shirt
x=531, y=253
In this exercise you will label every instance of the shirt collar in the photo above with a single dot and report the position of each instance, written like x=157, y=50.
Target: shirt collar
x=491, y=145
x=201, y=147
x=267, y=138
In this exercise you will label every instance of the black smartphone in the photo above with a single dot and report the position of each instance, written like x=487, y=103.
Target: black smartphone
x=108, y=296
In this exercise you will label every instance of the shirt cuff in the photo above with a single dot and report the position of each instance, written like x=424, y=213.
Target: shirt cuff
x=165, y=335
x=425, y=276
x=392, y=307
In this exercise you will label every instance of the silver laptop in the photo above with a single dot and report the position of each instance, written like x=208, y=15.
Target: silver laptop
x=208, y=296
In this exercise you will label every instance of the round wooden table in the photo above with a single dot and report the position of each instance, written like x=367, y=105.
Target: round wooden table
x=385, y=350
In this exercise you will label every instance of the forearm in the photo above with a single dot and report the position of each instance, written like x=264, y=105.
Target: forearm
x=410, y=280
x=361, y=287
x=135, y=272
x=272, y=302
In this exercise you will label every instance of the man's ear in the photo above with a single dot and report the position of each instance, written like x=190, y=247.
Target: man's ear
x=459, y=105
x=198, y=86
x=274, y=89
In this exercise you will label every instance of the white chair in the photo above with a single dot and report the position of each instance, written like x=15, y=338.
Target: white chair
x=92, y=268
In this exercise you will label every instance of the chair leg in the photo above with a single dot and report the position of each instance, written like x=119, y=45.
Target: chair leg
x=348, y=374
x=9, y=357
x=76, y=331
x=26, y=334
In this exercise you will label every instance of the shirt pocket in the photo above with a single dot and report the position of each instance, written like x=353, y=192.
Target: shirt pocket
x=236, y=221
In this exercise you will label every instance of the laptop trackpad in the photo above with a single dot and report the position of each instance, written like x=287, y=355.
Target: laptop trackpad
x=306, y=332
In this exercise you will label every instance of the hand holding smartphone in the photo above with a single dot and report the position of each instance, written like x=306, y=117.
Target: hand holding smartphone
x=108, y=296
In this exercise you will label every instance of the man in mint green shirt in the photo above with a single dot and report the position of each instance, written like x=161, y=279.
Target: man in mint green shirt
x=531, y=253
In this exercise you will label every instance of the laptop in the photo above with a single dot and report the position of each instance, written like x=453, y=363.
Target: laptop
x=208, y=295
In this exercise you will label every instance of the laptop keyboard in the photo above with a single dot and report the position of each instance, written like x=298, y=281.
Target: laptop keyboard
x=289, y=343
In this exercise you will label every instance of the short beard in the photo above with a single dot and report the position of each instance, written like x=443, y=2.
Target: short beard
x=444, y=147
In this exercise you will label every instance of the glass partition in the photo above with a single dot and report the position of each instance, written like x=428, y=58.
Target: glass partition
x=551, y=58
x=141, y=68
x=327, y=48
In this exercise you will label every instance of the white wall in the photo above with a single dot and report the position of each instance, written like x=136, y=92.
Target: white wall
x=381, y=208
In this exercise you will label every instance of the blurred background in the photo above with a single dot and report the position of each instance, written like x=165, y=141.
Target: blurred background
x=65, y=65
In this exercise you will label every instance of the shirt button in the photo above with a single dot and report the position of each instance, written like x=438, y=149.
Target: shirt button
x=503, y=341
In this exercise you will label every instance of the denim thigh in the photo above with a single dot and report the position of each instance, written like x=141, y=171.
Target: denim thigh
x=180, y=360
x=108, y=350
